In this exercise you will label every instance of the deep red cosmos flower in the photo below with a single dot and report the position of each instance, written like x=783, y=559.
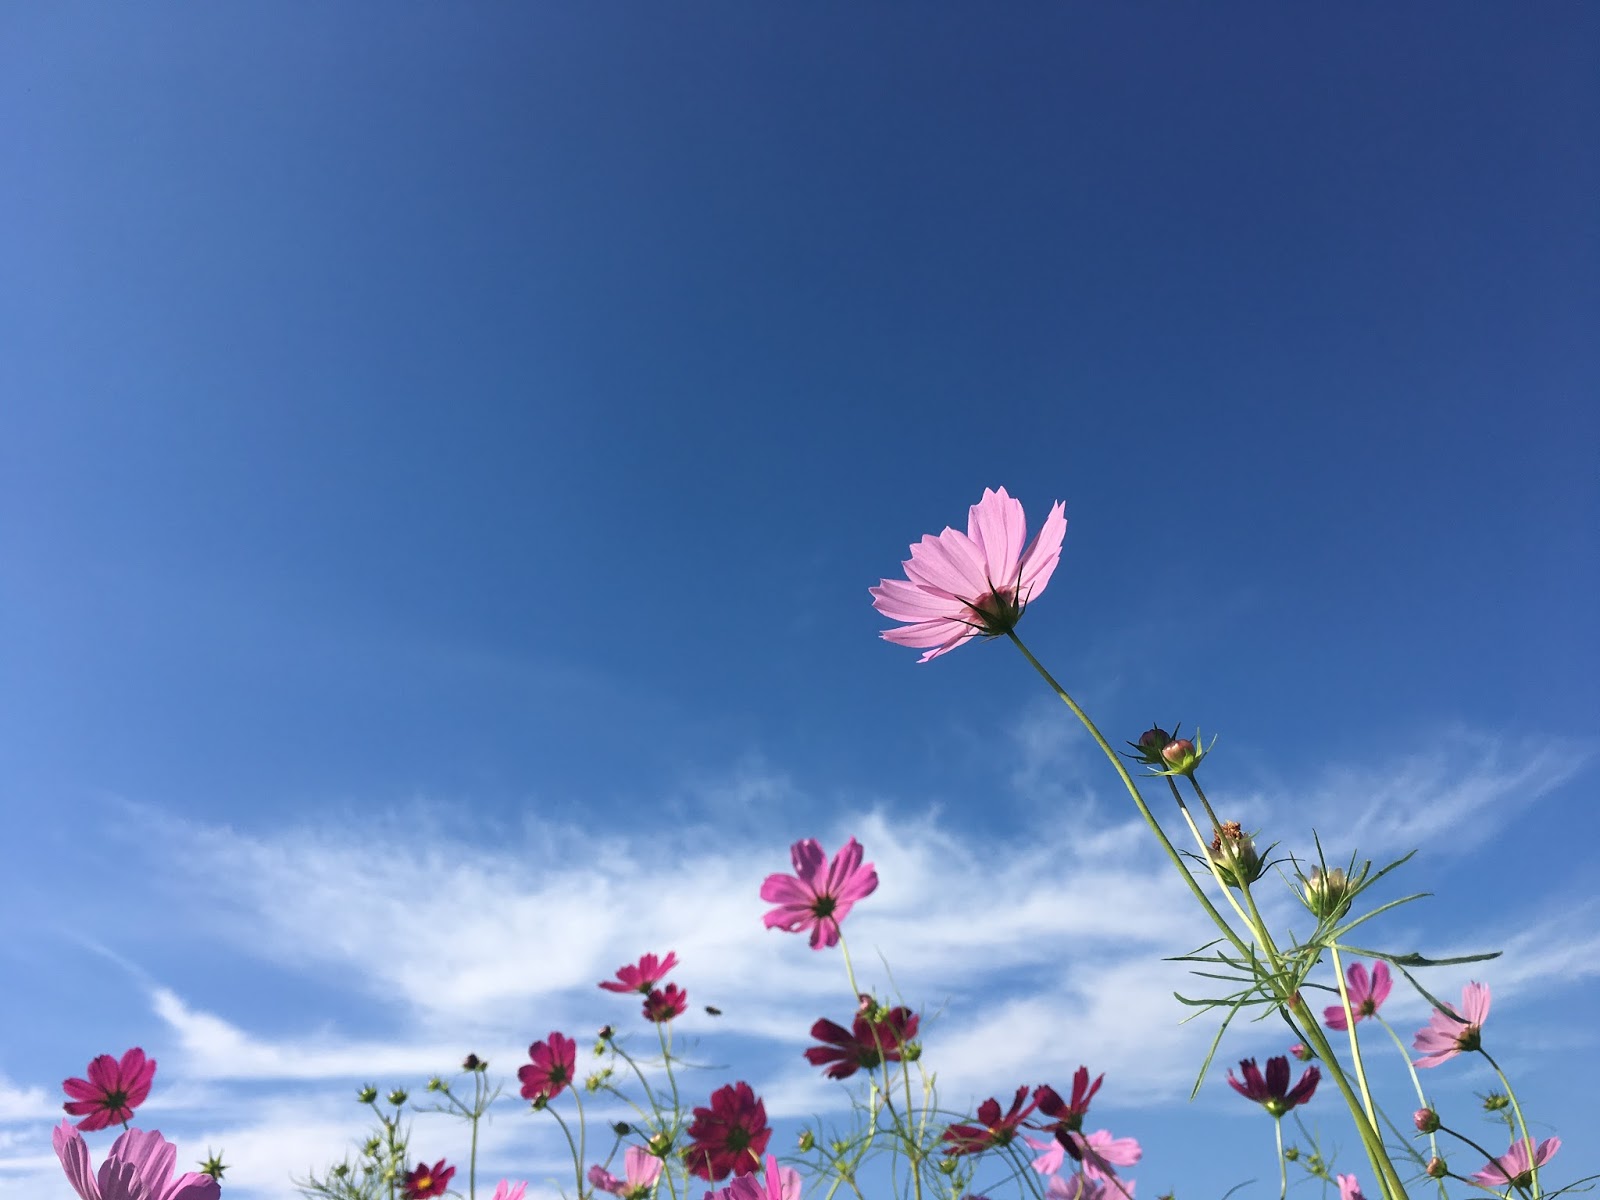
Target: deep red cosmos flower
x=643, y=977
x=992, y=1129
x=865, y=1045
x=665, y=1003
x=554, y=1065
x=1068, y=1115
x=112, y=1091
x=731, y=1135
x=426, y=1181
x=1273, y=1093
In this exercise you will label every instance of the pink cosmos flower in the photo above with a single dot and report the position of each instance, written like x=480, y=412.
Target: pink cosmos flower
x=818, y=895
x=866, y=1045
x=423, y=1181
x=962, y=585
x=139, y=1167
x=1083, y=1187
x=731, y=1135
x=642, y=978
x=1098, y=1153
x=778, y=1183
x=509, y=1191
x=112, y=1091
x=992, y=1129
x=1349, y=1186
x=1365, y=995
x=1273, y=1093
x=1447, y=1035
x=663, y=1004
x=554, y=1066
x=1512, y=1167
x=641, y=1170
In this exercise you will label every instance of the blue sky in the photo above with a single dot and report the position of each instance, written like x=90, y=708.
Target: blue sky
x=447, y=448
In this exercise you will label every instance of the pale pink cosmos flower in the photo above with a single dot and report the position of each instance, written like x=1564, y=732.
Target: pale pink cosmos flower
x=1078, y=1186
x=818, y=895
x=1350, y=1188
x=139, y=1167
x=640, y=1168
x=959, y=586
x=1098, y=1153
x=509, y=1191
x=777, y=1183
x=1365, y=994
x=1446, y=1036
x=1512, y=1167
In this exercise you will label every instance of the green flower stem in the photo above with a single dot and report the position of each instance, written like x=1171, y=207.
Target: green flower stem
x=1388, y=1176
x=1355, y=1043
x=850, y=971
x=1461, y=1137
x=577, y=1154
x=1283, y=1163
x=1205, y=853
x=1422, y=1099
x=472, y=1158
x=664, y=1036
x=1527, y=1138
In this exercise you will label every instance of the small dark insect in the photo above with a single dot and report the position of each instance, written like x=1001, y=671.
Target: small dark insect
x=713, y=1010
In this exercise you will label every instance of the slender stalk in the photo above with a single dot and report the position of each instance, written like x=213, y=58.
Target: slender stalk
x=1355, y=1044
x=1283, y=1167
x=1527, y=1138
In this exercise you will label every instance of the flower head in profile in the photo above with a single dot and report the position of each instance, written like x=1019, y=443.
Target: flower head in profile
x=818, y=895
x=959, y=586
x=867, y=1044
x=423, y=1181
x=641, y=1169
x=992, y=1129
x=776, y=1183
x=1513, y=1168
x=1449, y=1034
x=1068, y=1114
x=665, y=1003
x=1350, y=1188
x=1097, y=1154
x=554, y=1065
x=1273, y=1092
x=729, y=1136
x=509, y=1191
x=643, y=977
x=113, y=1090
x=139, y=1167
x=1366, y=994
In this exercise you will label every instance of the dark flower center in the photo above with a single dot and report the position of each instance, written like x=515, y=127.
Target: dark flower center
x=1469, y=1039
x=114, y=1100
x=822, y=907
x=738, y=1139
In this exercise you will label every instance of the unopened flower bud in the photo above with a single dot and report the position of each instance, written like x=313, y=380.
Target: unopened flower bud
x=606, y=1033
x=622, y=1129
x=807, y=1141
x=397, y=1097
x=911, y=1051
x=1149, y=746
x=1292, y=1153
x=1426, y=1120
x=1327, y=893
x=341, y=1170
x=1180, y=756
x=213, y=1166
x=372, y=1147
x=1302, y=1051
x=438, y=1085
x=1495, y=1101
x=1437, y=1168
x=659, y=1144
x=473, y=1063
x=947, y=1166
x=1234, y=852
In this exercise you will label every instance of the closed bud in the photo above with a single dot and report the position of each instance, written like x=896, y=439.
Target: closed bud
x=438, y=1085
x=1149, y=746
x=807, y=1141
x=1437, y=1168
x=1302, y=1051
x=659, y=1144
x=473, y=1063
x=367, y=1094
x=341, y=1170
x=947, y=1166
x=1180, y=756
x=1327, y=893
x=397, y=1097
x=606, y=1033
x=372, y=1147
x=622, y=1129
x=1292, y=1153
x=1234, y=852
x=1426, y=1120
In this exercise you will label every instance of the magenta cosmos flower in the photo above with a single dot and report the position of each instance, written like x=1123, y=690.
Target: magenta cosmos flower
x=1512, y=1167
x=1273, y=1092
x=139, y=1167
x=777, y=1183
x=1366, y=994
x=1349, y=1188
x=509, y=1191
x=1081, y=1187
x=1446, y=1035
x=865, y=1045
x=643, y=977
x=554, y=1065
x=992, y=1129
x=424, y=1181
x=818, y=895
x=1098, y=1153
x=665, y=1003
x=959, y=586
x=1068, y=1114
x=112, y=1091
x=641, y=1169
x=731, y=1135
